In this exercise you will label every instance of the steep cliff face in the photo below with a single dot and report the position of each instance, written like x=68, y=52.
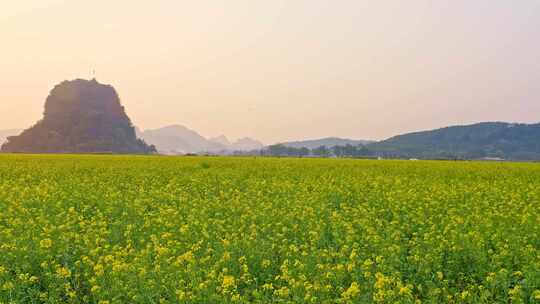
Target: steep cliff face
x=81, y=116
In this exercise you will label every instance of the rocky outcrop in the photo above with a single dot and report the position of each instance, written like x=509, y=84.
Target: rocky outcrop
x=81, y=116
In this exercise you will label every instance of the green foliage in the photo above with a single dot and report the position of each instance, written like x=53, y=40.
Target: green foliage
x=502, y=140
x=146, y=229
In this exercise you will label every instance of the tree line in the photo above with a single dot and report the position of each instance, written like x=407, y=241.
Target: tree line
x=322, y=151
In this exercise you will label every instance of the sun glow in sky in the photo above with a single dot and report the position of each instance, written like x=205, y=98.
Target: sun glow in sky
x=281, y=69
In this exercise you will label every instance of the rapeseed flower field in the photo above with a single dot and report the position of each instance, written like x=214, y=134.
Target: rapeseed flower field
x=148, y=229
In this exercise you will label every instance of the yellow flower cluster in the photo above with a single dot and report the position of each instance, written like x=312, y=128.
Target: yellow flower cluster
x=143, y=229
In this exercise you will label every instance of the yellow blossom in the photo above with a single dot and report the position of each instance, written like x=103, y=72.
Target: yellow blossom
x=228, y=282
x=352, y=291
x=45, y=243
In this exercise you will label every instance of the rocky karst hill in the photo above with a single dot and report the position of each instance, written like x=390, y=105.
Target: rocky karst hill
x=81, y=116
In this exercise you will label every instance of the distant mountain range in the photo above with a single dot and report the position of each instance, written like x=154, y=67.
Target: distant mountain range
x=178, y=139
x=482, y=140
x=327, y=142
x=499, y=140
x=487, y=140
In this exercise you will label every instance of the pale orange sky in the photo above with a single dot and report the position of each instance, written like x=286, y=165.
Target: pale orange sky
x=280, y=70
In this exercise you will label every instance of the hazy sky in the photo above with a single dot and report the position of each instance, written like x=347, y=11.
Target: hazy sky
x=280, y=69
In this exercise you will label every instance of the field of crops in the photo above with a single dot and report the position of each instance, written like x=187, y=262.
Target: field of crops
x=136, y=229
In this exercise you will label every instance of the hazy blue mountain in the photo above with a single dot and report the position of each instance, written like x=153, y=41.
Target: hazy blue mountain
x=222, y=139
x=246, y=144
x=328, y=142
x=481, y=140
x=178, y=139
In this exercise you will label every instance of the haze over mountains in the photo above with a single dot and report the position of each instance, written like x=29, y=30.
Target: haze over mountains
x=178, y=139
x=499, y=140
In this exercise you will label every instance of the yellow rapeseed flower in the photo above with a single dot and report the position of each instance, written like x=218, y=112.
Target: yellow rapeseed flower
x=283, y=292
x=63, y=272
x=352, y=291
x=45, y=243
x=228, y=282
